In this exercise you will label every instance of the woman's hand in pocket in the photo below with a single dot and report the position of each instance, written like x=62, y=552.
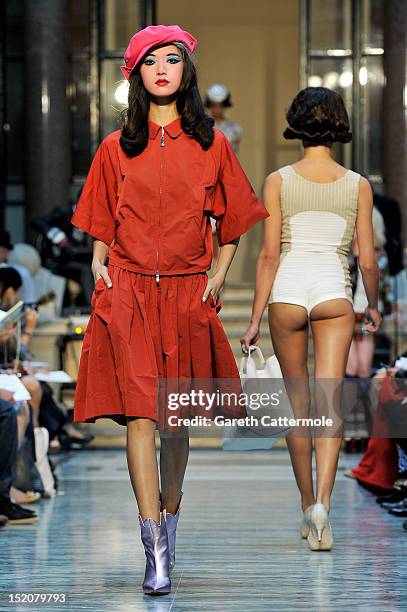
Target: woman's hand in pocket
x=99, y=270
x=213, y=287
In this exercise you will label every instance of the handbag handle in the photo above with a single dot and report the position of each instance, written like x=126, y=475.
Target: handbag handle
x=243, y=362
x=256, y=349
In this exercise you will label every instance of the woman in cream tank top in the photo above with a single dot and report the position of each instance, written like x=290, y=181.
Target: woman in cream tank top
x=317, y=229
x=315, y=207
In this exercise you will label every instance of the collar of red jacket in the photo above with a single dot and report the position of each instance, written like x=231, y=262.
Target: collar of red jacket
x=173, y=129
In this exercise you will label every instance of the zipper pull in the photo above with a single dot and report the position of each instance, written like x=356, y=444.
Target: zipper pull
x=157, y=278
x=162, y=137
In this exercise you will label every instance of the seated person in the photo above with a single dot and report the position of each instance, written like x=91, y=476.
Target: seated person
x=28, y=293
x=10, y=512
x=41, y=401
x=65, y=249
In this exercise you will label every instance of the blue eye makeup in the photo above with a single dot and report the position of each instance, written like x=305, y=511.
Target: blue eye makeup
x=172, y=58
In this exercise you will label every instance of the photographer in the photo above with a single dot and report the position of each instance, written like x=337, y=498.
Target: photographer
x=65, y=250
x=11, y=287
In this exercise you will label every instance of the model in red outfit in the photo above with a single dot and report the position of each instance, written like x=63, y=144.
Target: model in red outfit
x=151, y=190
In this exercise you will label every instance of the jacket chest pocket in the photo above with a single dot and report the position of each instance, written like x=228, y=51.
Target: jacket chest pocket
x=203, y=199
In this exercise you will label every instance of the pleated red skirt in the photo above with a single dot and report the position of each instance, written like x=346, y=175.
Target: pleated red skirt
x=140, y=331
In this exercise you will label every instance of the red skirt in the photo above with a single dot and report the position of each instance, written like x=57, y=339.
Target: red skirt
x=140, y=331
x=378, y=467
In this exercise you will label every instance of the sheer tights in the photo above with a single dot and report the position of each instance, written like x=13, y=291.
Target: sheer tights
x=143, y=468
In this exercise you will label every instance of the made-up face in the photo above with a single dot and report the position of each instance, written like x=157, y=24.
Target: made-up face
x=161, y=71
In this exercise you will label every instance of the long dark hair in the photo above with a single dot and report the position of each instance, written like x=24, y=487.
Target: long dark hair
x=317, y=116
x=194, y=121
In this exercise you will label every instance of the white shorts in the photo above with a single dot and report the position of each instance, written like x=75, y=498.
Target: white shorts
x=307, y=279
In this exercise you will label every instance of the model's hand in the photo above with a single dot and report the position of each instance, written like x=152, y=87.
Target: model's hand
x=214, y=287
x=250, y=336
x=7, y=396
x=100, y=270
x=372, y=320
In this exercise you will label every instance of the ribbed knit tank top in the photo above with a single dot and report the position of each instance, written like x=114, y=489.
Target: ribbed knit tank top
x=318, y=217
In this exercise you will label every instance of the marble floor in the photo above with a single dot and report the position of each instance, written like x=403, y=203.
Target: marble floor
x=238, y=547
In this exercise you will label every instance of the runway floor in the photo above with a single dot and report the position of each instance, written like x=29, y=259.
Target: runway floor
x=238, y=543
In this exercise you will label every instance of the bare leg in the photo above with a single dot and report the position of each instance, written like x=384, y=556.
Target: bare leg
x=352, y=366
x=332, y=325
x=361, y=357
x=34, y=388
x=173, y=462
x=289, y=332
x=143, y=468
x=365, y=354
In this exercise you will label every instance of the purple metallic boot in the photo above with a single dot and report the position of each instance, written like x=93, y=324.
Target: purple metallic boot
x=155, y=541
x=172, y=522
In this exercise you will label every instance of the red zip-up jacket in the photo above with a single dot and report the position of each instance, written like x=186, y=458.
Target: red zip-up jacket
x=153, y=210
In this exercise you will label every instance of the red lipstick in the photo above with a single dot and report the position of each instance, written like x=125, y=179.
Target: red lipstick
x=162, y=82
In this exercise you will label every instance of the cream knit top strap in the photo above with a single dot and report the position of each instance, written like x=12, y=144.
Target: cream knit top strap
x=303, y=226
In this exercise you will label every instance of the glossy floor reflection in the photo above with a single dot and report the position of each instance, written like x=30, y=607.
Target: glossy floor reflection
x=238, y=547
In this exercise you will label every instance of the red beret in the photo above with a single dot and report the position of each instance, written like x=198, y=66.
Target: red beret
x=150, y=37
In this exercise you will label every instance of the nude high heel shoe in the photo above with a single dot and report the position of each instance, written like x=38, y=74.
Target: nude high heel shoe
x=320, y=532
x=305, y=523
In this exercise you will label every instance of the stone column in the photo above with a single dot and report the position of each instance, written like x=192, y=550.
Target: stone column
x=47, y=147
x=394, y=115
x=3, y=127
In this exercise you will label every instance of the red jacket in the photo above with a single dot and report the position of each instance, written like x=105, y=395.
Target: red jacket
x=153, y=210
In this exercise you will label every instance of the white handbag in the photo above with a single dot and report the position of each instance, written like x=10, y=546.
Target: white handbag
x=41, y=437
x=239, y=437
x=269, y=368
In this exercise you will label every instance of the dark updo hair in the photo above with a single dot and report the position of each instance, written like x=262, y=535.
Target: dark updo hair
x=318, y=116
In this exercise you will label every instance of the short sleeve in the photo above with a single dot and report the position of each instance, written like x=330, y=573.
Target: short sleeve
x=28, y=293
x=236, y=206
x=95, y=210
